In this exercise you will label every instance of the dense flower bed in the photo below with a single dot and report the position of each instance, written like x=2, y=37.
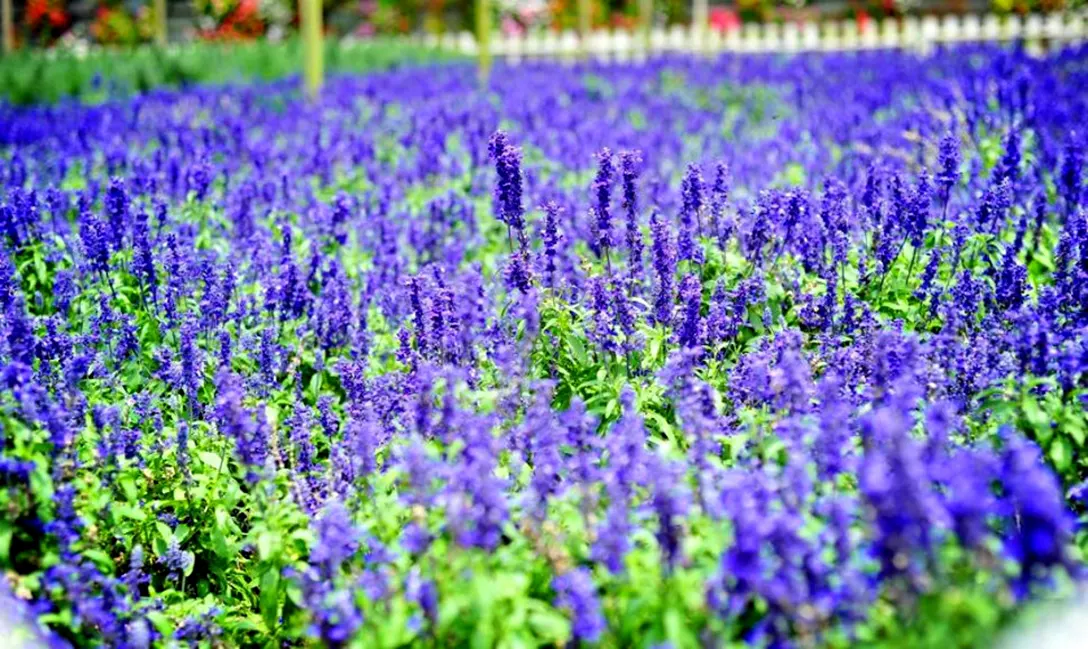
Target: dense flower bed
x=779, y=351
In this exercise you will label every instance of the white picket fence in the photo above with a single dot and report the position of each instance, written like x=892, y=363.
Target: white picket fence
x=913, y=33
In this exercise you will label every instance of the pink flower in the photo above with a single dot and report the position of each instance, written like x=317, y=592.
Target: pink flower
x=511, y=27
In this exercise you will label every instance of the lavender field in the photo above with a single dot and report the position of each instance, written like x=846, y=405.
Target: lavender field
x=752, y=351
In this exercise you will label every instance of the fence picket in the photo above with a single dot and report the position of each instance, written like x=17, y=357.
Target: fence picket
x=913, y=33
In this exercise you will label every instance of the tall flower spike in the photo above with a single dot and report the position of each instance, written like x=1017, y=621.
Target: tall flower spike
x=507, y=196
x=917, y=211
x=690, y=215
x=893, y=477
x=602, y=194
x=552, y=236
x=337, y=539
x=604, y=327
x=948, y=165
x=1009, y=164
x=576, y=594
x=518, y=272
x=1040, y=526
x=692, y=329
x=1071, y=174
x=627, y=470
x=664, y=259
x=135, y=577
x=117, y=204
x=143, y=260
x=670, y=502
x=93, y=236
x=511, y=177
x=629, y=171
x=192, y=369
x=251, y=438
x=719, y=199
x=9, y=281
x=496, y=144
x=624, y=312
x=182, y=451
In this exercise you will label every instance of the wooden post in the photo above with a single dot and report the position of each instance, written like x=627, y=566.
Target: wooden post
x=8, y=26
x=646, y=18
x=160, y=22
x=584, y=25
x=700, y=16
x=313, y=51
x=483, y=38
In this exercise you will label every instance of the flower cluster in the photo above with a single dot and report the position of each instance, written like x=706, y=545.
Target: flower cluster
x=373, y=371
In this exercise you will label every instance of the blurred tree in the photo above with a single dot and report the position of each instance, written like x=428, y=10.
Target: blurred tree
x=676, y=11
x=1028, y=6
x=754, y=10
x=123, y=23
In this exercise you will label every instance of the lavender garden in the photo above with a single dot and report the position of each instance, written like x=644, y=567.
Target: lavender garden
x=752, y=351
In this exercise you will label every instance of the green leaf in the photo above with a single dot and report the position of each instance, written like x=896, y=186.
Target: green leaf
x=270, y=598
x=128, y=485
x=213, y=460
x=221, y=545
x=99, y=557
x=663, y=425
x=577, y=349
x=7, y=531
x=294, y=595
x=548, y=624
x=676, y=631
x=161, y=623
x=267, y=543
x=1037, y=419
x=243, y=624
x=1061, y=454
x=1074, y=427
x=130, y=512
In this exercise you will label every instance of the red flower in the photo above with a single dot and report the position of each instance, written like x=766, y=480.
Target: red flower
x=58, y=17
x=35, y=11
x=863, y=20
x=723, y=19
x=43, y=14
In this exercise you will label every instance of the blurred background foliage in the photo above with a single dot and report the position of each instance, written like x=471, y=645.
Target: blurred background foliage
x=43, y=23
x=28, y=77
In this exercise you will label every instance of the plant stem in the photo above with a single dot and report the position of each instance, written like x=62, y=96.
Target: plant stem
x=913, y=259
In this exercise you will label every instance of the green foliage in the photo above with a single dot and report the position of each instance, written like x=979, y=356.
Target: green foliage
x=34, y=77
